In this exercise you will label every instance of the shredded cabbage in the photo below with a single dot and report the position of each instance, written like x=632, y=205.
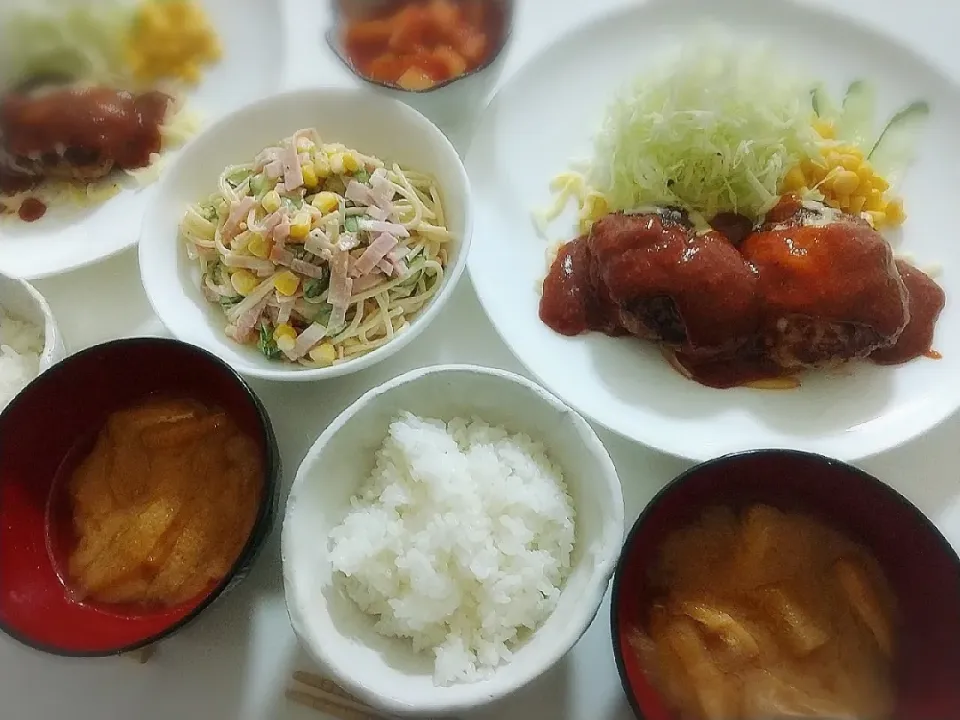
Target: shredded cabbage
x=76, y=38
x=713, y=129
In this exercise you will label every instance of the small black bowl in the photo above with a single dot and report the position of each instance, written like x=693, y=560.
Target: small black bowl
x=44, y=426
x=920, y=564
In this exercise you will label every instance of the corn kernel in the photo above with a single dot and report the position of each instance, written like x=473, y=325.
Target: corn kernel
x=336, y=164
x=879, y=183
x=350, y=162
x=874, y=200
x=271, y=201
x=258, y=246
x=323, y=354
x=321, y=166
x=286, y=283
x=875, y=218
x=244, y=282
x=833, y=158
x=300, y=226
x=794, y=179
x=845, y=183
x=285, y=336
x=326, y=201
x=309, y=176
x=894, y=212
x=850, y=162
x=856, y=204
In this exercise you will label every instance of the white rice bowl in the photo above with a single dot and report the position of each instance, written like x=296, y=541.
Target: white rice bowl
x=348, y=644
x=460, y=540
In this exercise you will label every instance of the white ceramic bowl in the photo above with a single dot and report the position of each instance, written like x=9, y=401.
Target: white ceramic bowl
x=21, y=300
x=361, y=119
x=386, y=673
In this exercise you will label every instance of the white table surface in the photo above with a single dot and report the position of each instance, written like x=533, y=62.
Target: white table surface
x=235, y=661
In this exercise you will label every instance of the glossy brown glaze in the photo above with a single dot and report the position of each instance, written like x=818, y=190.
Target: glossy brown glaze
x=749, y=365
x=829, y=288
x=83, y=127
x=926, y=302
x=842, y=271
x=811, y=288
x=671, y=284
x=571, y=304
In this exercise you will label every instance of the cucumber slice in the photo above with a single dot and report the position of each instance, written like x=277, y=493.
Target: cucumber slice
x=894, y=150
x=855, y=124
x=823, y=104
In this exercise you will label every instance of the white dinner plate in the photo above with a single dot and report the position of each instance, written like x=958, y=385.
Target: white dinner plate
x=546, y=115
x=70, y=237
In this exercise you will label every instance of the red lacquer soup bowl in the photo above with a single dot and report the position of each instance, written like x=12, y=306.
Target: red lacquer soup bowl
x=921, y=566
x=50, y=426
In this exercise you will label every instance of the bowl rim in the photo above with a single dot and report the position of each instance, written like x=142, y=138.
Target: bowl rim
x=52, y=342
x=150, y=279
x=265, y=511
x=336, y=47
x=610, y=544
x=732, y=458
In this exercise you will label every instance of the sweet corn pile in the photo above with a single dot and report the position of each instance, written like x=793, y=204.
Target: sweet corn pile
x=171, y=39
x=846, y=180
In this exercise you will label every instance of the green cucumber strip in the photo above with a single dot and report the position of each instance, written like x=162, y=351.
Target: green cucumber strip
x=894, y=149
x=856, y=122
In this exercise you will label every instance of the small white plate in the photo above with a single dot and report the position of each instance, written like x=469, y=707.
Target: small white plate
x=547, y=114
x=67, y=238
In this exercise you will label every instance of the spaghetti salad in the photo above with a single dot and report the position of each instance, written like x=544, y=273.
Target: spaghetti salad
x=317, y=253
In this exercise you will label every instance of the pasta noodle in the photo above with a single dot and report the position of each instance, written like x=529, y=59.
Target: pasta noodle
x=317, y=253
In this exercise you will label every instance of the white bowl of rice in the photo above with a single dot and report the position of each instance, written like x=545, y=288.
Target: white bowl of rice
x=448, y=539
x=29, y=339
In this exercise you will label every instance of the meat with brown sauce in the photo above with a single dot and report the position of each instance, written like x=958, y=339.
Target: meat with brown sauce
x=79, y=133
x=670, y=284
x=828, y=285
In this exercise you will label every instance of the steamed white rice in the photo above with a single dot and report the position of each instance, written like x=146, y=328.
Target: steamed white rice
x=461, y=541
x=20, y=346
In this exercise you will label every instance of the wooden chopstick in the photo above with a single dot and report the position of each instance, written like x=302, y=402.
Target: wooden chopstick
x=320, y=693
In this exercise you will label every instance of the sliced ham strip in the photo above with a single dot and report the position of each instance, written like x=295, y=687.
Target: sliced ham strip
x=367, y=281
x=274, y=169
x=247, y=320
x=307, y=340
x=379, y=226
x=260, y=294
x=358, y=193
x=238, y=212
x=341, y=288
x=375, y=252
x=286, y=258
x=292, y=173
x=386, y=267
x=376, y=213
x=285, y=308
x=281, y=232
x=265, y=157
x=267, y=225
